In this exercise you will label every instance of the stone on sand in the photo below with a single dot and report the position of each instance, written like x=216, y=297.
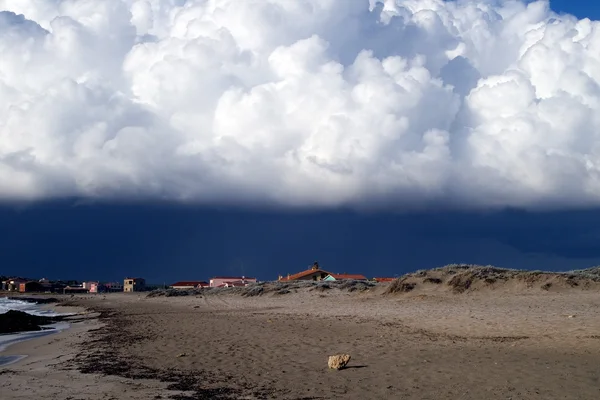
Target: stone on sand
x=338, y=361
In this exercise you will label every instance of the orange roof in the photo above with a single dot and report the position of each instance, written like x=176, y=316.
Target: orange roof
x=356, y=277
x=385, y=279
x=302, y=274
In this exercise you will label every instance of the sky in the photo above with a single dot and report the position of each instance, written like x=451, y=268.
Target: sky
x=178, y=139
x=579, y=8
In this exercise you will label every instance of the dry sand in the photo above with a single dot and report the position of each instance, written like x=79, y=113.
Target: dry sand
x=424, y=344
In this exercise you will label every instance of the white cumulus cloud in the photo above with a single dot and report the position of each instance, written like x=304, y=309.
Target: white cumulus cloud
x=395, y=103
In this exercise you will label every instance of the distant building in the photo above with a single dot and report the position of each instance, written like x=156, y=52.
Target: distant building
x=315, y=273
x=31, y=287
x=13, y=284
x=231, y=281
x=92, y=287
x=134, y=285
x=341, y=277
x=52, y=287
x=112, y=287
x=189, y=285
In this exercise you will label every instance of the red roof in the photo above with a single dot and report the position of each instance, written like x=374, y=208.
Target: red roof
x=384, y=279
x=303, y=274
x=189, y=283
x=357, y=277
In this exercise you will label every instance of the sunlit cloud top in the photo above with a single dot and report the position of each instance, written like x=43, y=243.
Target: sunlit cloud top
x=401, y=103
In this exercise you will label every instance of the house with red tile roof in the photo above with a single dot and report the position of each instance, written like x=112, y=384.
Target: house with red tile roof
x=315, y=273
x=189, y=285
x=341, y=277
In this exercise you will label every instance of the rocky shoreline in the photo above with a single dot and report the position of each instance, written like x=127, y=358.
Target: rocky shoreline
x=18, y=321
x=15, y=321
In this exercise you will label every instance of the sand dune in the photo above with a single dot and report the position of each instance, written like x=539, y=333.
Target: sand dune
x=461, y=278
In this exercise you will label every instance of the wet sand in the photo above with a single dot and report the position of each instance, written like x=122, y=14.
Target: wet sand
x=418, y=345
x=49, y=367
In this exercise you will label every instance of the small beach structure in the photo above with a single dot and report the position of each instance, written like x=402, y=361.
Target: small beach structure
x=345, y=277
x=314, y=273
x=134, y=284
x=231, y=281
x=189, y=285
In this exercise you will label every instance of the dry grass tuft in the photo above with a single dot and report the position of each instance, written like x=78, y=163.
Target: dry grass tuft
x=461, y=283
x=400, y=286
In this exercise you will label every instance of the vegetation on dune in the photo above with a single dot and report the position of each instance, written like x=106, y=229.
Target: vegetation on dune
x=400, y=286
x=462, y=278
x=272, y=287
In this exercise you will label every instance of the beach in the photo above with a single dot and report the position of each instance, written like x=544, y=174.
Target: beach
x=47, y=366
x=424, y=344
x=33, y=318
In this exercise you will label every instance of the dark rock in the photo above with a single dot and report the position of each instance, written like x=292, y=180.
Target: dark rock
x=19, y=321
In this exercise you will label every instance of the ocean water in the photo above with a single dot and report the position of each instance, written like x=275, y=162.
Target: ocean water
x=7, y=304
x=30, y=308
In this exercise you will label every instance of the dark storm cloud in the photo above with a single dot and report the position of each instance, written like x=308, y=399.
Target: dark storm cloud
x=167, y=243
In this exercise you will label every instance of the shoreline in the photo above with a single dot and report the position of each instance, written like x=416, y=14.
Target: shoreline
x=15, y=347
x=7, y=358
x=59, y=362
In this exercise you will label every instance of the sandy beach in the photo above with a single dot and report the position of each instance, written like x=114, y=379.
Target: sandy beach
x=509, y=343
x=50, y=368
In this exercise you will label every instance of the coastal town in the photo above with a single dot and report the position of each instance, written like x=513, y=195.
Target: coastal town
x=138, y=284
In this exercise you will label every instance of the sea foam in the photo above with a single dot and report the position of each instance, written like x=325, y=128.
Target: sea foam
x=6, y=305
